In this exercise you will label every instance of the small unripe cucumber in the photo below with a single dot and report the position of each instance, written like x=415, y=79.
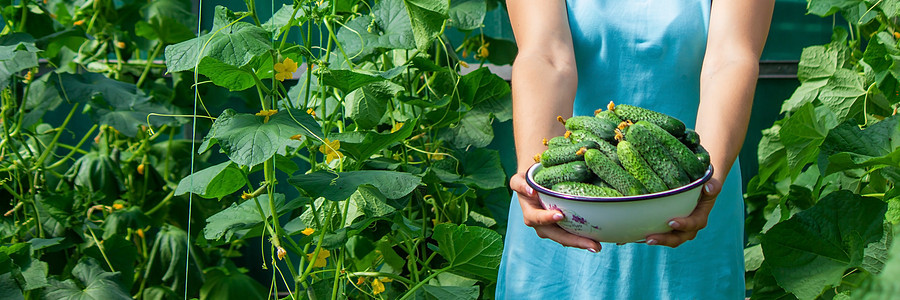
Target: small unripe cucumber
x=573, y=171
x=558, y=141
x=703, y=156
x=563, y=154
x=637, y=167
x=658, y=158
x=635, y=114
x=584, y=189
x=612, y=173
x=603, y=145
x=608, y=115
x=691, y=139
x=684, y=156
x=603, y=128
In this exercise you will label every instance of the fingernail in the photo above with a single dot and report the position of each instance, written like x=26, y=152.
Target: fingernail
x=529, y=190
x=558, y=216
x=593, y=250
x=652, y=242
x=674, y=225
x=708, y=188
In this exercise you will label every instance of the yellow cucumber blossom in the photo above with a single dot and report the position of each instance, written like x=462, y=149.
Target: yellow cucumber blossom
x=140, y=232
x=311, y=112
x=297, y=137
x=246, y=195
x=78, y=23
x=308, y=231
x=281, y=253
x=321, y=260
x=483, y=51
x=396, y=127
x=266, y=113
x=377, y=287
x=330, y=149
x=118, y=206
x=285, y=69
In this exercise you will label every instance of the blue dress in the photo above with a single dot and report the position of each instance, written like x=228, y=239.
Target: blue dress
x=646, y=53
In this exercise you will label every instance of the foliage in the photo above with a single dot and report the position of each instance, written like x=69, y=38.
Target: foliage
x=364, y=177
x=823, y=208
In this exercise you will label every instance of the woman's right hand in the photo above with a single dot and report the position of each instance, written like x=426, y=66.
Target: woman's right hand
x=544, y=221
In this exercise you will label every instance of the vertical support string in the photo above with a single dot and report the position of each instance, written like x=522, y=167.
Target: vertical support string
x=187, y=252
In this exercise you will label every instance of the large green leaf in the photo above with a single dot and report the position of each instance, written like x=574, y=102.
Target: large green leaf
x=884, y=285
x=35, y=275
x=801, y=134
x=474, y=129
x=12, y=43
x=121, y=254
x=121, y=220
x=340, y=186
x=214, y=182
x=171, y=257
x=98, y=284
x=390, y=28
x=118, y=104
x=427, y=18
x=349, y=80
x=368, y=105
x=234, y=78
x=169, y=21
x=230, y=221
x=467, y=14
x=481, y=85
x=825, y=8
x=281, y=19
x=817, y=62
x=470, y=251
x=249, y=140
x=230, y=284
x=772, y=155
x=371, y=202
x=811, y=251
x=844, y=94
x=481, y=168
x=362, y=145
x=17, y=53
x=847, y=146
x=9, y=288
x=235, y=45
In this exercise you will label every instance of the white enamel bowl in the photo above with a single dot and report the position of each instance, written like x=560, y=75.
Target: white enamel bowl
x=620, y=219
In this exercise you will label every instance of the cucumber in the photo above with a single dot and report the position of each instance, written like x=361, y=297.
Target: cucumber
x=635, y=114
x=702, y=155
x=637, y=167
x=603, y=145
x=584, y=189
x=557, y=141
x=691, y=139
x=612, y=173
x=684, y=156
x=573, y=171
x=563, y=154
x=658, y=158
x=603, y=128
x=608, y=115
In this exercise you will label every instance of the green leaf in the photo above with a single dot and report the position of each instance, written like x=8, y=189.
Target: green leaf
x=35, y=275
x=349, y=80
x=435, y=292
x=368, y=105
x=849, y=147
x=121, y=220
x=811, y=251
x=884, y=285
x=824, y=8
x=801, y=134
x=481, y=168
x=169, y=21
x=230, y=221
x=249, y=140
x=98, y=284
x=340, y=186
x=481, y=85
x=214, y=182
x=753, y=258
x=877, y=252
x=12, y=43
x=38, y=244
x=362, y=145
x=807, y=92
x=233, y=78
x=772, y=155
x=474, y=129
x=470, y=251
x=121, y=254
x=844, y=94
x=118, y=104
x=281, y=19
x=817, y=62
x=220, y=284
x=371, y=201
x=235, y=45
x=19, y=53
x=169, y=255
x=96, y=173
x=427, y=18
x=467, y=14
x=390, y=28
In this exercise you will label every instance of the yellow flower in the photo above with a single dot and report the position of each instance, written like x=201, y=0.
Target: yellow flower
x=311, y=112
x=29, y=76
x=483, y=51
x=140, y=169
x=246, y=196
x=377, y=287
x=140, y=232
x=78, y=23
x=120, y=45
x=281, y=253
x=285, y=70
x=397, y=126
x=360, y=280
x=118, y=206
x=321, y=260
x=463, y=64
x=308, y=231
x=330, y=150
x=297, y=137
x=266, y=113
x=385, y=279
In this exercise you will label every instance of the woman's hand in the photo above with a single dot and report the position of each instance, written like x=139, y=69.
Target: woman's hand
x=685, y=229
x=544, y=221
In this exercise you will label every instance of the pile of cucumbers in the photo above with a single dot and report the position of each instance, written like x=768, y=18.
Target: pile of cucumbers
x=622, y=151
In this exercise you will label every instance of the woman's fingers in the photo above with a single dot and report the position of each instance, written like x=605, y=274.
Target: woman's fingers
x=559, y=235
x=685, y=229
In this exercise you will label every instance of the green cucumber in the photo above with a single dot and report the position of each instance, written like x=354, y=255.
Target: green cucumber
x=658, y=158
x=563, y=154
x=603, y=145
x=682, y=154
x=691, y=139
x=628, y=112
x=603, y=128
x=573, y=171
x=557, y=141
x=637, y=167
x=612, y=173
x=584, y=189
x=702, y=155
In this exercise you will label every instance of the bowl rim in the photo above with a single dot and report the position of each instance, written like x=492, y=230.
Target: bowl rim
x=539, y=188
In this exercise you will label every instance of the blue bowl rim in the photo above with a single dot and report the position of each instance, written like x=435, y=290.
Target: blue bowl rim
x=543, y=190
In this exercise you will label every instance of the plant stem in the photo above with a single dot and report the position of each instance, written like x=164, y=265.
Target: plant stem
x=49, y=148
x=150, y=58
x=411, y=291
x=72, y=152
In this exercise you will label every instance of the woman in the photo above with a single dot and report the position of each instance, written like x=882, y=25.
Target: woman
x=691, y=59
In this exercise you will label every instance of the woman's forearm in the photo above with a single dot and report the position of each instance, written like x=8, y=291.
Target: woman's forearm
x=543, y=88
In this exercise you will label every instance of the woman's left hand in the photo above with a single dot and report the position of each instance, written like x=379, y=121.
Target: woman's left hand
x=685, y=229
